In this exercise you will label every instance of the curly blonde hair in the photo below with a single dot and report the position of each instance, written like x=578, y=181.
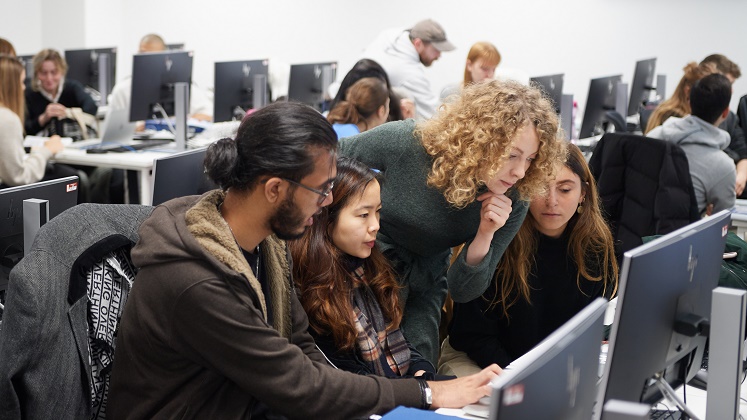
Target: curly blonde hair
x=471, y=138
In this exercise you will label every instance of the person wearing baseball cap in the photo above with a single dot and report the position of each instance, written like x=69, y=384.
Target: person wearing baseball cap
x=430, y=41
x=405, y=54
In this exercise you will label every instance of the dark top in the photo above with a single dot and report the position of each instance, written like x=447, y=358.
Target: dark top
x=488, y=337
x=737, y=149
x=73, y=95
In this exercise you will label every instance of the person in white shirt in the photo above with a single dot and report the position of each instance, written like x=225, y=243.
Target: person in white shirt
x=405, y=54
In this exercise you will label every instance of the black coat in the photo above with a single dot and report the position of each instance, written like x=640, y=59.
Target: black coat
x=645, y=187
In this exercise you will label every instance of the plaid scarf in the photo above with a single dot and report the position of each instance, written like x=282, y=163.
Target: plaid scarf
x=377, y=346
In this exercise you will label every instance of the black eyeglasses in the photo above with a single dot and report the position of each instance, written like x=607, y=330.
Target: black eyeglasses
x=323, y=194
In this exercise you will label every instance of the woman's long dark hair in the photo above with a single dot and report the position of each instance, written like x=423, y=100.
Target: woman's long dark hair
x=325, y=284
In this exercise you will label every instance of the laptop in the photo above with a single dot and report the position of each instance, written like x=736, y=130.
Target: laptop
x=118, y=127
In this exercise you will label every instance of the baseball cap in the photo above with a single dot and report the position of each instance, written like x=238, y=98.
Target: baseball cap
x=430, y=31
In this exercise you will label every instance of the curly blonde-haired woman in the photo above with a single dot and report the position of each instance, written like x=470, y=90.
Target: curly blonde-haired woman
x=562, y=258
x=462, y=177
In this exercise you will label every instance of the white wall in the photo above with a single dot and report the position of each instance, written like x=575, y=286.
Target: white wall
x=582, y=38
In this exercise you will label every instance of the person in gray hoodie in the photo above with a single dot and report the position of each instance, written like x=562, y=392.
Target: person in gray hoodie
x=712, y=171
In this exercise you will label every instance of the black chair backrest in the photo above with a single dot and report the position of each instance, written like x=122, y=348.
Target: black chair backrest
x=644, y=185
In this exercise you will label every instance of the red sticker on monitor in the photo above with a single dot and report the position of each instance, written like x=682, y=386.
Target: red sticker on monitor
x=724, y=230
x=71, y=187
x=514, y=395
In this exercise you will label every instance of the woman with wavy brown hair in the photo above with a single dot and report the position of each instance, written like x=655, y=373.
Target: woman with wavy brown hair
x=463, y=176
x=366, y=106
x=678, y=105
x=347, y=288
x=560, y=260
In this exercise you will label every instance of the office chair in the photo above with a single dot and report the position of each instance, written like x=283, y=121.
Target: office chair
x=45, y=348
x=617, y=120
x=645, y=187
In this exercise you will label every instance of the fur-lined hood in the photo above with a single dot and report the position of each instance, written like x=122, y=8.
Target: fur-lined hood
x=191, y=230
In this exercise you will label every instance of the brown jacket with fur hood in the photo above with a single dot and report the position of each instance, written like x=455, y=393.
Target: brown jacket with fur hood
x=194, y=342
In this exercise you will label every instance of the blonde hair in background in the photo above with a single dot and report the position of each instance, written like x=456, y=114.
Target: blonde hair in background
x=678, y=105
x=481, y=50
x=47, y=54
x=471, y=138
x=11, y=90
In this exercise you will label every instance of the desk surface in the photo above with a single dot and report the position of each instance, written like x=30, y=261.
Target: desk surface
x=129, y=160
x=696, y=401
x=140, y=161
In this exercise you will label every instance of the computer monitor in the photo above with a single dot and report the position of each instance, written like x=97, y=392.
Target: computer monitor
x=602, y=93
x=552, y=86
x=61, y=193
x=558, y=378
x=309, y=82
x=234, y=88
x=175, y=47
x=179, y=175
x=664, y=303
x=643, y=84
x=86, y=67
x=153, y=79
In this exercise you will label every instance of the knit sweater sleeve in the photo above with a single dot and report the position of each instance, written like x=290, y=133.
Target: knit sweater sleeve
x=379, y=147
x=15, y=167
x=467, y=282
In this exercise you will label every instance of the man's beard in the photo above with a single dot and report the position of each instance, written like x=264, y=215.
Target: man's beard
x=288, y=223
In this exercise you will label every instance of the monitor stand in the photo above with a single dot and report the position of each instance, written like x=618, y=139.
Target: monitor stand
x=181, y=103
x=105, y=82
x=35, y=215
x=725, y=353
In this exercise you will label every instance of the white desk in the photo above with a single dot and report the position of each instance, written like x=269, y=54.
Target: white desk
x=696, y=401
x=140, y=161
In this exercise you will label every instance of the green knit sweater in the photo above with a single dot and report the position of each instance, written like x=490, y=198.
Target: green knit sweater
x=416, y=217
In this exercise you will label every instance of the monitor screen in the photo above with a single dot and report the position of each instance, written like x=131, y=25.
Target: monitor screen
x=309, y=82
x=234, y=88
x=83, y=66
x=665, y=286
x=153, y=79
x=62, y=194
x=602, y=93
x=643, y=84
x=557, y=378
x=552, y=86
x=179, y=175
